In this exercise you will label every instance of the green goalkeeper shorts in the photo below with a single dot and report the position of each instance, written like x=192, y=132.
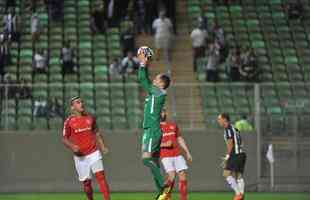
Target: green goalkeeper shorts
x=151, y=140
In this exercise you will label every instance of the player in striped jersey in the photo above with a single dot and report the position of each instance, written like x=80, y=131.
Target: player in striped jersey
x=234, y=161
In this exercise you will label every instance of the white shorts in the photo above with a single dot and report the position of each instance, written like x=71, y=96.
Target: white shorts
x=86, y=165
x=177, y=164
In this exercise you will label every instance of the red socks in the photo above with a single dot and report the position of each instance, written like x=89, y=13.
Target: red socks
x=103, y=185
x=88, y=189
x=183, y=190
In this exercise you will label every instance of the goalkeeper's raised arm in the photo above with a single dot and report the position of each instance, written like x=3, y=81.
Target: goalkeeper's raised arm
x=144, y=55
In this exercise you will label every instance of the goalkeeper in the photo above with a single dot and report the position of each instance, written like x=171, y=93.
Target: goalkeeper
x=154, y=102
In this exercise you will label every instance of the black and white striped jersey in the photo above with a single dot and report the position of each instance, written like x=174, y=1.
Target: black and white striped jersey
x=232, y=133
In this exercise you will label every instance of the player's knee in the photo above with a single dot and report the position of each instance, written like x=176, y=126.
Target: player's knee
x=171, y=176
x=100, y=175
x=182, y=175
x=146, y=155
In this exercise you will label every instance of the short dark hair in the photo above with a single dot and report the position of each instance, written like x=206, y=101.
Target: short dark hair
x=166, y=79
x=225, y=116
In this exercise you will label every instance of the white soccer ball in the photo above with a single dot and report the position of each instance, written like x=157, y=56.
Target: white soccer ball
x=147, y=51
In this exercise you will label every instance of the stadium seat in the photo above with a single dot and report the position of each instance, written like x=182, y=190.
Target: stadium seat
x=24, y=122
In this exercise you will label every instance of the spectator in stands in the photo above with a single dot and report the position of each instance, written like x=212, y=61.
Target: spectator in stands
x=35, y=27
x=40, y=108
x=67, y=58
x=151, y=10
x=249, y=57
x=114, y=11
x=219, y=38
x=2, y=63
x=55, y=108
x=227, y=2
x=122, y=8
x=130, y=63
x=128, y=41
x=249, y=69
x=55, y=9
x=294, y=10
x=199, y=37
x=7, y=50
x=170, y=9
x=212, y=65
x=10, y=4
x=244, y=125
x=31, y=5
x=2, y=57
x=40, y=62
x=24, y=90
x=5, y=53
x=219, y=33
x=12, y=25
x=115, y=67
x=98, y=20
x=139, y=16
x=163, y=35
x=203, y=20
x=234, y=64
x=12, y=89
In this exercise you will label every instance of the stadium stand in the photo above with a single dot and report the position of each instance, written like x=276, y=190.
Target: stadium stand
x=282, y=47
x=115, y=102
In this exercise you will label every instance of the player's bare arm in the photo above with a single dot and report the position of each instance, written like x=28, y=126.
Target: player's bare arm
x=101, y=143
x=185, y=148
x=74, y=148
x=230, y=146
x=168, y=144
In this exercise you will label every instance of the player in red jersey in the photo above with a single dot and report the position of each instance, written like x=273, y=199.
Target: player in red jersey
x=82, y=136
x=171, y=157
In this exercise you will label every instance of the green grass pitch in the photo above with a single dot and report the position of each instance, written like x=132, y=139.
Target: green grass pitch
x=150, y=196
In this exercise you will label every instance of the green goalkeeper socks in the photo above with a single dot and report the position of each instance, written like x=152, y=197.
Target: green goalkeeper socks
x=155, y=169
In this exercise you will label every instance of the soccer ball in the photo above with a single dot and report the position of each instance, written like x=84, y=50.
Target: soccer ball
x=147, y=51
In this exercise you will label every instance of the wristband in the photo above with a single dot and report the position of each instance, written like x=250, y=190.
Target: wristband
x=142, y=65
x=227, y=157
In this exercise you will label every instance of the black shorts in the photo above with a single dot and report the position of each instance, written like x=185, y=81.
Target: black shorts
x=236, y=163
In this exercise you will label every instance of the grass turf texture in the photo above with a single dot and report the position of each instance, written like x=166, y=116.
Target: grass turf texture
x=150, y=196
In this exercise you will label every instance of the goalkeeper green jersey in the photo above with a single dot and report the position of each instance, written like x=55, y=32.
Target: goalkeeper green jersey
x=154, y=102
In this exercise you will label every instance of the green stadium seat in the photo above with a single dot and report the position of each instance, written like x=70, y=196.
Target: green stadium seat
x=8, y=122
x=40, y=123
x=119, y=122
x=55, y=123
x=104, y=122
x=39, y=92
x=24, y=110
x=24, y=122
x=70, y=78
x=102, y=91
x=40, y=78
x=103, y=109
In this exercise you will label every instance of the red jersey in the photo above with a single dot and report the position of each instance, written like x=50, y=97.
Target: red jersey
x=170, y=132
x=81, y=131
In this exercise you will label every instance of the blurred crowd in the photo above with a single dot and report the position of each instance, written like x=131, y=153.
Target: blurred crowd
x=209, y=41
